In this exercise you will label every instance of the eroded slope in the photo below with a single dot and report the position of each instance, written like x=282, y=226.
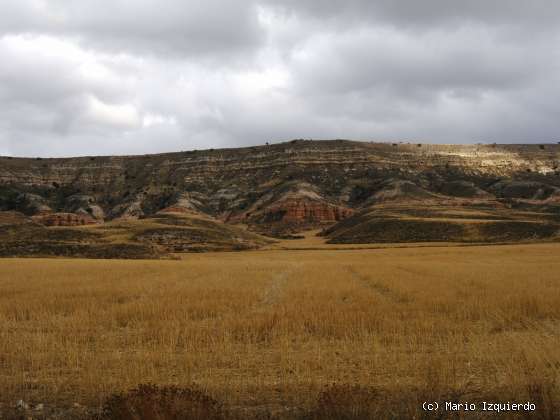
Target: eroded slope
x=283, y=189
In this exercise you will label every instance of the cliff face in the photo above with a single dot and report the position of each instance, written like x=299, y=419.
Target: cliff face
x=297, y=211
x=299, y=183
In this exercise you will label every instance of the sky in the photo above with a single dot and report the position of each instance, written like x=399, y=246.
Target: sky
x=99, y=77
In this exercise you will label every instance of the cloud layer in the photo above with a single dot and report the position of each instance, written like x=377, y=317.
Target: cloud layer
x=141, y=76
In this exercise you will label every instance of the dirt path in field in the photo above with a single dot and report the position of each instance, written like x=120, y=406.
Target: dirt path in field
x=377, y=287
x=274, y=291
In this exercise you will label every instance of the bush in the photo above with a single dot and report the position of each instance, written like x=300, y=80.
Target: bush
x=347, y=402
x=149, y=402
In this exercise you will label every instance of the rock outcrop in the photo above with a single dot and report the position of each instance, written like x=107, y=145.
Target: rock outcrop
x=31, y=204
x=64, y=219
x=85, y=205
x=306, y=211
x=185, y=203
x=398, y=190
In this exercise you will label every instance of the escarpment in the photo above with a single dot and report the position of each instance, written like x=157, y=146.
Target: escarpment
x=289, y=187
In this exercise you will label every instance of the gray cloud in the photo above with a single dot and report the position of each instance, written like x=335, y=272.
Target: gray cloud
x=196, y=27
x=94, y=77
x=416, y=14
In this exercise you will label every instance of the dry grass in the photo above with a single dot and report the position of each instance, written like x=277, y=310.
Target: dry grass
x=267, y=331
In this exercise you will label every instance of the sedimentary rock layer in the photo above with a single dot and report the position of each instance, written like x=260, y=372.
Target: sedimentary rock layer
x=298, y=182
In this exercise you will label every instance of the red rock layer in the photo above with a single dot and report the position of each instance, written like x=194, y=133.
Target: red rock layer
x=64, y=219
x=306, y=211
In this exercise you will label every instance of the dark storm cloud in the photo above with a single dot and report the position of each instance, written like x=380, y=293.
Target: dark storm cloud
x=138, y=76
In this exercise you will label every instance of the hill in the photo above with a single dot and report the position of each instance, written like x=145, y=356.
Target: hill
x=151, y=238
x=356, y=191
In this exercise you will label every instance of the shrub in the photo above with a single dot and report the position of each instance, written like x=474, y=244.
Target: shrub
x=347, y=402
x=149, y=402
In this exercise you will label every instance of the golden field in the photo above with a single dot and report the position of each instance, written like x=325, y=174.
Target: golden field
x=267, y=331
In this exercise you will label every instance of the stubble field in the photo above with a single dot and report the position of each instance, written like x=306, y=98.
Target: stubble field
x=286, y=333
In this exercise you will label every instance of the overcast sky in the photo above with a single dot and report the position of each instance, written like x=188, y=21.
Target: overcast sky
x=82, y=77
